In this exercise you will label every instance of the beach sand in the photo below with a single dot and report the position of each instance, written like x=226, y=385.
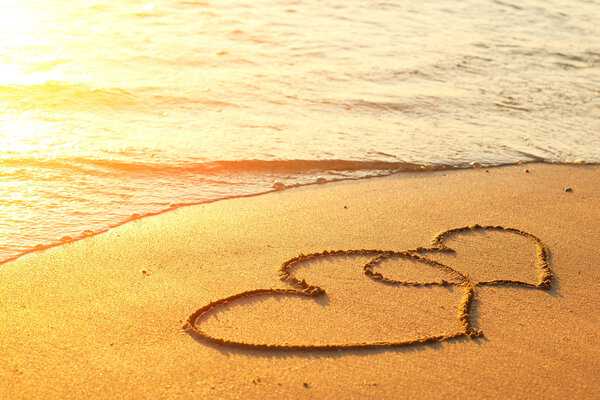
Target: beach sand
x=105, y=317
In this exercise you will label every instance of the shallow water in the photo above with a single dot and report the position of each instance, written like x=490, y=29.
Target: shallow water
x=115, y=108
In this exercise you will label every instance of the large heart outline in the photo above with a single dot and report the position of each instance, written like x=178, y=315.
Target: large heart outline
x=306, y=290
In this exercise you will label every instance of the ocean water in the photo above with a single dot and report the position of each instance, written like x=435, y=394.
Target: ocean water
x=110, y=110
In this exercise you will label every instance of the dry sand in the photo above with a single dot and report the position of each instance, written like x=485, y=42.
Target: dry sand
x=104, y=317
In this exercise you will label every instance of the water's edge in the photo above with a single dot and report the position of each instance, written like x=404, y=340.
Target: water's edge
x=428, y=169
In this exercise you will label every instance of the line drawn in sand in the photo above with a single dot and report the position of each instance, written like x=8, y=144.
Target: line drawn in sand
x=302, y=288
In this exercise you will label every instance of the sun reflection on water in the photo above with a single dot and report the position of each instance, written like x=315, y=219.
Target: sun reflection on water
x=19, y=24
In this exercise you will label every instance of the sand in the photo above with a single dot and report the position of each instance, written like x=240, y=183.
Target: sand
x=108, y=316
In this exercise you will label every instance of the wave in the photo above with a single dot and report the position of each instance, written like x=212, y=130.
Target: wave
x=15, y=165
x=266, y=167
x=104, y=166
x=301, y=166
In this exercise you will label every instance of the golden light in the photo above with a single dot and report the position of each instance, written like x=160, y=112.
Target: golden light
x=18, y=23
x=29, y=52
x=24, y=69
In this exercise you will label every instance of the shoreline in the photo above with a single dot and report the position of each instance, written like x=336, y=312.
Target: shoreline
x=136, y=216
x=104, y=317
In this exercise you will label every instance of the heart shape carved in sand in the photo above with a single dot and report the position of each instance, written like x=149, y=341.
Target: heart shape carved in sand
x=304, y=289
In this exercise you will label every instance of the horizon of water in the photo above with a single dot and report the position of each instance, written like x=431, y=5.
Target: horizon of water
x=109, y=110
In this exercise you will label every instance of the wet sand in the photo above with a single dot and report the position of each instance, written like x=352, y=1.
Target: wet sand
x=120, y=315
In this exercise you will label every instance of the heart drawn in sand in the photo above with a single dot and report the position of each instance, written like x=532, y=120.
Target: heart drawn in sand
x=304, y=289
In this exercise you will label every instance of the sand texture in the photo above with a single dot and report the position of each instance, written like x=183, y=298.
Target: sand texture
x=453, y=284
